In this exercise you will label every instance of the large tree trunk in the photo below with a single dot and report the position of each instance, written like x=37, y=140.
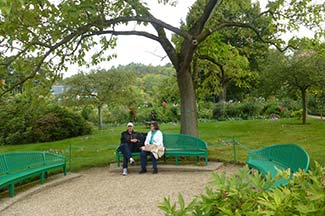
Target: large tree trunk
x=189, y=122
x=304, y=105
x=100, y=117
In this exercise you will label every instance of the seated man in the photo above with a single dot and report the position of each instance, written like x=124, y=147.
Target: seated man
x=129, y=144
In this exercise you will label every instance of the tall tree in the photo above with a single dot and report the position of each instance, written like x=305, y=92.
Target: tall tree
x=57, y=32
x=100, y=88
x=302, y=71
x=219, y=64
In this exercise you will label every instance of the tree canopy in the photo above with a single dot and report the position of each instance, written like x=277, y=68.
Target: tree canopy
x=301, y=71
x=49, y=34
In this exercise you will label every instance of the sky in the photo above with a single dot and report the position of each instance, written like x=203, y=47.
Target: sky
x=142, y=50
x=139, y=49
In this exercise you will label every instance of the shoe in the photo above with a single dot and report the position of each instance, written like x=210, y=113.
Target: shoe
x=132, y=161
x=155, y=171
x=125, y=171
x=142, y=171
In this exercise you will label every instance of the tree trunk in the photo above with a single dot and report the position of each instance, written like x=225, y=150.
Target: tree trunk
x=223, y=94
x=189, y=122
x=100, y=117
x=304, y=105
x=321, y=113
x=195, y=73
x=222, y=99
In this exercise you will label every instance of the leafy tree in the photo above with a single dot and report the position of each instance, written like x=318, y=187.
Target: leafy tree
x=229, y=55
x=303, y=70
x=319, y=99
x=58, y=32
x=219, y=65
x=99, y=88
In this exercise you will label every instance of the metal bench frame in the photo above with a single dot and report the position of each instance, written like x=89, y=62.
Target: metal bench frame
x=18, y=166
x=280, y=156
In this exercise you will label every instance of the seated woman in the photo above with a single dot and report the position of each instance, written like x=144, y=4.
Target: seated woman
x=129, y=144
x=154, y=137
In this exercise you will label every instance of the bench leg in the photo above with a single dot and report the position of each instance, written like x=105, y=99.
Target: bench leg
x=176, y=160
x=42, y=177
x=65, y=170
x=12, y=190
x=206, y=160
x=198, y=159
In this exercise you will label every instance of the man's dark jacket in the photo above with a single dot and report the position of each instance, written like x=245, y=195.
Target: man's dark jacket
x=126, y=138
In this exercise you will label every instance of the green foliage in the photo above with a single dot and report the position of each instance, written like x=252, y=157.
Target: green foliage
x=243, y=193
x=57, y=124
x=134, y=92
x=205, y=109
x=253, y=108
x=253, y=133
x=27, y=120
x=300, y=72
x=99, y=88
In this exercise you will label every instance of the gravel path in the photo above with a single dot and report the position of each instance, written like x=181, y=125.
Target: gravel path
x=101, y=192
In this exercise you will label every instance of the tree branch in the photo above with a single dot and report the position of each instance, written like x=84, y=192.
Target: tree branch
x=207, y=33
x=213, y=61
x=113, y=32
x=150, y=19
x=208, y=11
x=160, y=27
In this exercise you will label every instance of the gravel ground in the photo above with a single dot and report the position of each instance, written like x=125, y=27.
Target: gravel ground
x=101, y=192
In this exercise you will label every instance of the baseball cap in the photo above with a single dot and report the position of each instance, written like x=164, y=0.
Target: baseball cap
x=130, y=124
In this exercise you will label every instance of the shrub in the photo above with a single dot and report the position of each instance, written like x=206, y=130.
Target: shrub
x=25, y=122
x=233, y=110
x=219, y=111
x=250, y=109
x=205, y=110
x=59, y=123
x=244, y=193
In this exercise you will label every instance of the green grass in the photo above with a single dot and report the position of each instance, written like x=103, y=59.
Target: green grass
x=100, y=146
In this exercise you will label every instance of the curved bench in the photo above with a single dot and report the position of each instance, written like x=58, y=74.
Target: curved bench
x=281, y=156
x=18, y=166
x=178, y=145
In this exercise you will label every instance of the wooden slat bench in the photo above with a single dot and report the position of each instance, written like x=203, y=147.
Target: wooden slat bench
x=18, y=166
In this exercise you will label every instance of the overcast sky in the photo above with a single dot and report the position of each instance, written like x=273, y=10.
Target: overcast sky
x=142, y=50
x=139, y=49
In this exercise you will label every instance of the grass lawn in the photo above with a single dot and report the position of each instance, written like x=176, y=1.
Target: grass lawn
x=98, y=149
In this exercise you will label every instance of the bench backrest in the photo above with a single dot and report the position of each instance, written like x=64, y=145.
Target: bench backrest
x=3, y=165
x=290, y=155
x=181, y=141
x=19, y=161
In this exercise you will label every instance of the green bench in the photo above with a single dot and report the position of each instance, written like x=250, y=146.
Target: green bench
x=282, y=157
x=178, y=145
x=18, y=166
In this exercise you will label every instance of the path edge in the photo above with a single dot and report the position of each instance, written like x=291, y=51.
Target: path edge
x=56, y=180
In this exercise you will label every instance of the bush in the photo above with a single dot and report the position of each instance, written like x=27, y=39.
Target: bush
x=205, y=110
x=58, y=123
x=244, y=193
x=250, y=110
x=237, y=110
x=219, y=111
x=25, y=122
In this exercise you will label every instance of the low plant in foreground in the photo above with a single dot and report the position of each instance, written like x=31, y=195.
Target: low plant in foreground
x=243, y=193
